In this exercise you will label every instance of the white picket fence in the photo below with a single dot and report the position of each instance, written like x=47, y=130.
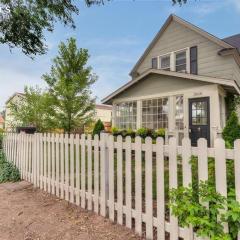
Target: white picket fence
x=99, y=175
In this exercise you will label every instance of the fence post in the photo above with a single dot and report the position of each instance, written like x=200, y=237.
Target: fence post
x=104, y=173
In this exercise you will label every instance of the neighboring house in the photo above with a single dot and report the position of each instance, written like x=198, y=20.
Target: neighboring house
x=180, y=83
x=1, y=122
x=104, y=113
x=10, y=122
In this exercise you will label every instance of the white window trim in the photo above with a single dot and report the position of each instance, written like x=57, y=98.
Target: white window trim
x=173, y=59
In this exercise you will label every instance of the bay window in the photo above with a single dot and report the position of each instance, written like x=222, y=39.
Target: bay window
x=155, y=113
x=126, y=115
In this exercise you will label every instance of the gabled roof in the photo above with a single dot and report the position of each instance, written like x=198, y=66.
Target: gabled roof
x=15, y=94
x=200, y=31
x=221, y=81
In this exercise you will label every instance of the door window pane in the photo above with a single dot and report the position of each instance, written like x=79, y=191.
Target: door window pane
x=199, y=113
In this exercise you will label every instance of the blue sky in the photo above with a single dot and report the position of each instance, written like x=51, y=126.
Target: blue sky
x=116, y=35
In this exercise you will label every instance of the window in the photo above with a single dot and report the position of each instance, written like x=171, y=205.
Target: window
x=126, y=115
x=199, y=113
x=165, y=62
x=155, y=63
x=181, y=61
x=193, y=60
x=155, y=113
x=179, y=113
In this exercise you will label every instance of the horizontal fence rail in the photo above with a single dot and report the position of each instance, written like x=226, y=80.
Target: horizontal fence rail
x=126, y=180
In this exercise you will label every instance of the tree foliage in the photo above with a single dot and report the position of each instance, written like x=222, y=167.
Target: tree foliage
x=31, y=109
x=231, y=132
x=69, y=84
x=99, y=126
x=23, y=23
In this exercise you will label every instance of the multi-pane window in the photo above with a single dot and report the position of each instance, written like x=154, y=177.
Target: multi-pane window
x=181, y=61
x=165, y=62
x=155, y=113
x=199, y=113
x=179, y=117
x=126, y=115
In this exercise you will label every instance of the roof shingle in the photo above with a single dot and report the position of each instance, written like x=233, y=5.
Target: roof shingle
x=233, y=40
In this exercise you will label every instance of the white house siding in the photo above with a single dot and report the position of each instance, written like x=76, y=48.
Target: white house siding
x=177, y=36
x=156, y=84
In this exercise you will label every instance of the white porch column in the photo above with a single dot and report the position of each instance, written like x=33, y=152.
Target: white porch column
x=139, y=114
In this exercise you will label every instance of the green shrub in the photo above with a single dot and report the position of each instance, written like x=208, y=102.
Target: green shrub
x=145, y=132
x=160, y=132
x=8, y=172
x=115, y=131
x=231, y=132
x=99, y=126
x=1, y=141
x=191, y=209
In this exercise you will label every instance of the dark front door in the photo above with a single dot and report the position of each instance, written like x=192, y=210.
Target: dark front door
x=199, y=119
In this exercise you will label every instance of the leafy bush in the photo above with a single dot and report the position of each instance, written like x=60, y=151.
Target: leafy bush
x=8, y=172
x=160, y=132
x=145, y=132
x=191, y=209
x=99, y=126
x=231, y=132
x=115, y=131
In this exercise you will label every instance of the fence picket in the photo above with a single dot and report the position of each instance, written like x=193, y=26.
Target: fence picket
x=160, y=189
x=104, y=173
x=45, y=161
x=83, y=171
x=62, y=145
x=96, y=173
x=237, y=171
x=138, y=185
x=221, y=170
x=72, y=175
x=77, y=140
x=119, y=180
x=187, y=175
x=111, y=178
x=66, y=148
x=128, y=182
x=89, y=159
x=173, y=183
x=57, y=166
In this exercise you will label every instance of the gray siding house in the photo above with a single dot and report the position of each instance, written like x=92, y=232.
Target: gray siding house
x=180, y=83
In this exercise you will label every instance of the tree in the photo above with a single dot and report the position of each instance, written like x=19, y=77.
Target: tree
x=24, y=22
x=69, y=84
x=31, y=109
x=231, y=132
x=99, y=126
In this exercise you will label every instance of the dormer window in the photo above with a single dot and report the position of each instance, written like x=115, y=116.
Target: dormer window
x=181, y=61
x=165, y=62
